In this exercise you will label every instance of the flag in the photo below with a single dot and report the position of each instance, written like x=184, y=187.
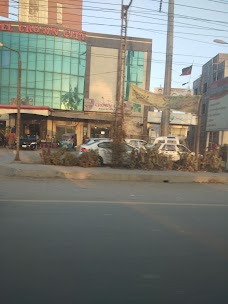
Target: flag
x=187, y=71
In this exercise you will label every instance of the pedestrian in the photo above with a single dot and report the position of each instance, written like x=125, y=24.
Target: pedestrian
x=11, y=140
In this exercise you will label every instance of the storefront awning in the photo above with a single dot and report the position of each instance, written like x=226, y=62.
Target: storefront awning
x=11, y=109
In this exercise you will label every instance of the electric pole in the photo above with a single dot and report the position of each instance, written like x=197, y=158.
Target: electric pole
x=119, y=115
x=168, y=68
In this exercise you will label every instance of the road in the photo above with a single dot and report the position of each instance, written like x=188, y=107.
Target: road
x=65, y=241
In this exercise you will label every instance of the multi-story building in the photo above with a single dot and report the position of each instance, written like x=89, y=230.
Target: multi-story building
x=54, y=12
x=69, y=77
x=212, y=71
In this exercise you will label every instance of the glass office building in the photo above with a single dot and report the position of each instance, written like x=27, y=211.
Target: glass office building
x=62, y=70
x=53, y=70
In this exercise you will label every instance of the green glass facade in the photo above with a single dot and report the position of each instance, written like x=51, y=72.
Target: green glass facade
x=53, y=70
x=134, y=70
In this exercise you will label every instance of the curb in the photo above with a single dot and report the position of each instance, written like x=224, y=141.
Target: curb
x=115, y=176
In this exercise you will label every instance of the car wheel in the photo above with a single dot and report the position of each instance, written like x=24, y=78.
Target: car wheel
x=100, y=161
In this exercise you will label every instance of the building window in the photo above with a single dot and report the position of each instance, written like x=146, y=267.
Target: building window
x=203, y=108
x=205, y=88
x=196, y=91
x=59, y=13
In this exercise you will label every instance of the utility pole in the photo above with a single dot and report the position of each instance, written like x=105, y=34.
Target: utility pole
x=168, y=68
x=119, y=114
x=197, y=140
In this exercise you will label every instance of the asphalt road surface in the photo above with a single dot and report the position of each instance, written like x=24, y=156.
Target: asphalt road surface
x=66, y=241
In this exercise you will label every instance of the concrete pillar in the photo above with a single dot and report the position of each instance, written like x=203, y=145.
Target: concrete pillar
x=207, y=140
x=79, y=132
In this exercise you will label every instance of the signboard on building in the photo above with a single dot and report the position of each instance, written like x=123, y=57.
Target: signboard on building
x=217, y=116
x=6, y=26
x=98, y=105
x=187, y=104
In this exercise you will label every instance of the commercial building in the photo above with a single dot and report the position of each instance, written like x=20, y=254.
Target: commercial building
x=54, y=12
x=69, y=77
x=213, y=84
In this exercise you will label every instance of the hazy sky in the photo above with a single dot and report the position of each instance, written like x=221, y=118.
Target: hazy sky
x=197, y=24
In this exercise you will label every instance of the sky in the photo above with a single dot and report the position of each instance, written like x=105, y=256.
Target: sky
x=196, y=25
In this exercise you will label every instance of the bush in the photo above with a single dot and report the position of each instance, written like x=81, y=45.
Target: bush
x=149, y=159
x=211, y=161
x=59, y=158
x=89, y=159
x=187, y=162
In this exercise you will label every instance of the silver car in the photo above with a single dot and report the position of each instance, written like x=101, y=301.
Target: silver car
x=104, y=149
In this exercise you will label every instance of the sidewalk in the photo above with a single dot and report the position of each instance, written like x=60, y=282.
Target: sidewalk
x=31, y=166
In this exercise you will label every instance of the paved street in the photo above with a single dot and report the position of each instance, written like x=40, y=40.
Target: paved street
x=65, y=241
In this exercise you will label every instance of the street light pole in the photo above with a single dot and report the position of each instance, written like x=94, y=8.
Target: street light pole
x=18, y=126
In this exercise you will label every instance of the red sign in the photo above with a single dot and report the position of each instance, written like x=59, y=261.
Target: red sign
x=42, y=30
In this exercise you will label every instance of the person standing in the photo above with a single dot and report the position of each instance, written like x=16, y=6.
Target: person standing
x=11, y=140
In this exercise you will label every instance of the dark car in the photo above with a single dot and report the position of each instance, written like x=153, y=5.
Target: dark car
x=28, y=142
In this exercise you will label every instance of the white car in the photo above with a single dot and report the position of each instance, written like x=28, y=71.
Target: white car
x=104, y=149
x=137, y=143
x=172, y=150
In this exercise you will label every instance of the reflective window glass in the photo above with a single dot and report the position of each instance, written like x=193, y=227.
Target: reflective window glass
x=50, y=44
x=39, y=98
x=24, y=56
x=4, y=96
x=40, y=59
x=30, y=94
x=48, y=81
x=81, y=85
x=15, y=41
x=49, y=62
x=74, y=66
x=75, y=48
x=5, y=77
x=13, y=77
x=24, y=42
x=57, y=81
x=12, y=94
x=66, y=65
x=23, y=78
x=31, y=77
x=81, y=71
x=56, y=99
x=41, y=43
x=32, y=42
x=66, y=47
x=39, y=80
x=5, y=58
x=48, y=98
x=13, y=60
x=65, y=82
x=57, y=63
x=58, y=46
x=31, y=61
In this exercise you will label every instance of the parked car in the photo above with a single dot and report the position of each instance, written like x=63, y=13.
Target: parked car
x=104, y=149
x=175, y=151
x=163, y=140
x=28, y=142
x=137, y=143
